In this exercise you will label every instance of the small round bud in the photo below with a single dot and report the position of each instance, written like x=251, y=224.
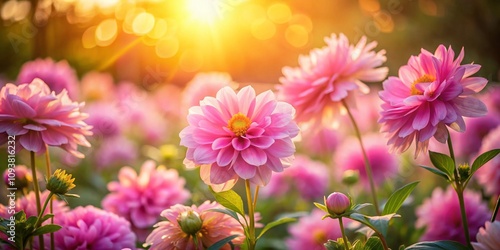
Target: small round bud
x=464, y=171
x=60, y=182
x=18, y=177
x=337, y=203
x=350, y=177
x=190, y=222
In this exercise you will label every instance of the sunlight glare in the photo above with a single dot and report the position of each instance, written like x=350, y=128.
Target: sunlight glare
x=203, y=10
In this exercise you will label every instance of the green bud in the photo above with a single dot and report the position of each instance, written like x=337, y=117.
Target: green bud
x=190, y=222
x=60, y=182
x=464, y=171
x=350, y=177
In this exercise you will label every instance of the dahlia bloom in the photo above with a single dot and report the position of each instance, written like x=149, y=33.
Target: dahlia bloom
x=57, y=75
x=240, y=135
x=330, y=75
x=440, y=215
x=183, y=222
x=114, y=151
x=350, y=157
x=467, y=144
x=432, y=91
x=38, y=117
x=140, y=198
x=311, y=232
x=205, y=84
x=322, y=141
x=105, y=118
x=489, y=174
x=487, y=238
x=94, y=229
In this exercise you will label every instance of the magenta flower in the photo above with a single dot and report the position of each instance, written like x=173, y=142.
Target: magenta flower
x=240, y=135
x=350, y=157
x=105, y=118
x=203, y=85
x=489, y=174
x=140, y=198
x=440, y=215
x=432, y=91
x=57, y=75
x=311, y=232
x=183, y=222
x=93, y=229
x=330, y=75
x=38, y=117
x=487, y=238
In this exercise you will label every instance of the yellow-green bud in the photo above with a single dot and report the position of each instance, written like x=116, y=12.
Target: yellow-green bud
x=60, y=182
x=464, y=171
x=190, y=222
x=350, y=177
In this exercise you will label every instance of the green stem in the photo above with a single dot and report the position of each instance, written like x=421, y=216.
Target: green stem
x=343, y=234
x=40, y=215
x=51, y=207
x=495, y=211
x=37, y=193
x=251, y=229
x=368, y=167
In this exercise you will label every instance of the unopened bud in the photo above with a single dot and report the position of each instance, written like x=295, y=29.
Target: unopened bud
x=190, y=222
x=60, y=182
x=464, y=171
x=337, y=203
x=350, y=177
x=18, y=177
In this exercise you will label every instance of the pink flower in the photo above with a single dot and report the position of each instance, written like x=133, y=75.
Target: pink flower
x=205, y=84
x=93, y=229
x=105, y=118
x=337, y=203
x=432, y=92
x=18, y=177
x=57, y=75
x=141, y=198
x=440, y=215
x=240, y=135
x=350, y=157
x=308, y=177
x=38, y=117
x=98, y=86
x=311, y=232
x=329, y=76
x=28, y=205
x=183, y=222
x=489, y=174
x=487, y=238
x=321, y=141
x=114, y=151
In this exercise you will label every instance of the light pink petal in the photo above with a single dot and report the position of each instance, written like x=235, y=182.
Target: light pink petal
x=220, y=175
x=22, y=109
x=262, y=142
x=421, y=119
x=221, y=142
x=246, y=101
x=254, y=156
x=204, y=155
x=54, y=138
x=243, y=169
x=240, y=143
x=274, y=164
x=262, y=176
x=282, y=148
x=226, y=156
x=32, y=141
x=473, y=85
x=470, y=107
x=35, y=127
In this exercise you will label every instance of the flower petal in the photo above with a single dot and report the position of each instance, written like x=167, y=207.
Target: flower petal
x=254, y=156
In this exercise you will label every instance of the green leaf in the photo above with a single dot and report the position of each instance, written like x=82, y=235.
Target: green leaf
x=443, y=245
x=228, y=212
x=397, y=198
x=361, y=206
x=357, y=245
x=373, y=243
x=437, y=172
x=334, y=245
x=46, y=217
x=378, y=223
x=46, y=229
x=217, y=245
x=442, y=162
x=321, y=206
x=229, y=199
x=274, y=224
x=483, y=159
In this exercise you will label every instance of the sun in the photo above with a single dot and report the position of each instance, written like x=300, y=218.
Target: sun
x=206, y=11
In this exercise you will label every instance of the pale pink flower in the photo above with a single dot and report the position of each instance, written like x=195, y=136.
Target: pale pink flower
x=91, y=228
x=321, y=141
x=330, y=75
x=205, y=84
x=57, y=75
x=349, y=156
x=98, y=86
x=105, y=118
x=240, y=135
x=168, y=98
x=115, y=151
x=432, y=91
x=487, y=238
x=489, y=174
x=441, y=218
x=38, y=117
x=208, y=226
x=311, y=232
x=140, y=198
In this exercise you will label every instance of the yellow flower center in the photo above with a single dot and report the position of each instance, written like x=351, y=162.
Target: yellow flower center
x=239, y=124
x=424, y=78
x=319, y=237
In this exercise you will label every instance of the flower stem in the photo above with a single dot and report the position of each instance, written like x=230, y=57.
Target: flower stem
x=495, y=211
x=51, y=208
x=40, y=215
x=37, y=193
x=251, y=229
x=343, y=233
x=368, y=167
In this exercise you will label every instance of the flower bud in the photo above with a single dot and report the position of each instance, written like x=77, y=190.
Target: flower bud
x=464, y=171
x=190, y=222
x=337, y=203
x=350, y=177
x=18, y=177
x=60, y=182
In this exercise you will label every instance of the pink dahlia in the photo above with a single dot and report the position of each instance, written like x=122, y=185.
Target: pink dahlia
x=432, y=91
x=489, y=174
x=311, y=232
x=440, y=215
x=115, y=151
x=37, y=117
x=105, y=118
x=184, y=222
x=322, y=141
x=141, y=198
x=240, y=135
x=57, y=75
x=93, y=229
x=350, y=157
x=487, y=238
x=330, y=75
x=205, y=84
